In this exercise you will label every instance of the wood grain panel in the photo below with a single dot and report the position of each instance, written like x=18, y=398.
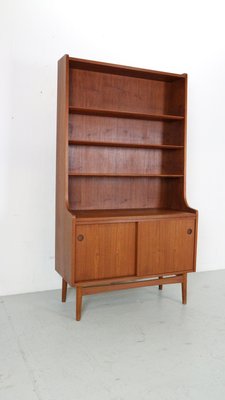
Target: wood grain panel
x=64, y=251
x=124, y=160
x=121, y=130
x=177, y=97
x=166, y=245
x=90, y=89
x=114, y=193
x=105, y=251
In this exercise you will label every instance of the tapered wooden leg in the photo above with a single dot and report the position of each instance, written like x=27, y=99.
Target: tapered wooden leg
x=64, y=290
x=160, y=286
x=184, y=289
x=78, y=302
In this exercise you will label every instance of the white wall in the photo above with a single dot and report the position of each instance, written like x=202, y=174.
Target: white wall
x=176, y=36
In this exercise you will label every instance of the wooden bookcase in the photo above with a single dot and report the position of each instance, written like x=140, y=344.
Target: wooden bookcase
x=122, y=219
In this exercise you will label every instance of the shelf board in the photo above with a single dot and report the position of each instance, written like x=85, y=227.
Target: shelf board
x=139, y=213
x=124, y=114
x=115, y=69
x=119, y=144
x=129, y=174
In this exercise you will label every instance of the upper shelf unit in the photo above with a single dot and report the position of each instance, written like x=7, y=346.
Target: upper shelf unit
x=125, y=137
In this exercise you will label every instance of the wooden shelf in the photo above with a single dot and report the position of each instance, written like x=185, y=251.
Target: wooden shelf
x=129, y=174
x=107, y=68
x=123, y=114
x=138, y=213
x=118, y=144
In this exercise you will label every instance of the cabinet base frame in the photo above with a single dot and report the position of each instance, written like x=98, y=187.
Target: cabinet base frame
x=83, y=289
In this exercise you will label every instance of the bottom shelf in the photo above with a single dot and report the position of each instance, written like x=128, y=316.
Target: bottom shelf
x=139, y=213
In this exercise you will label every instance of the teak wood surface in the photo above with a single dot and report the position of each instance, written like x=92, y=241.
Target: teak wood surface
x=122, y=218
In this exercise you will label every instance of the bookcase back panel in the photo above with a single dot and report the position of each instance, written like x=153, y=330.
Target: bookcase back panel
x=96, y=193
x=98, y=90
x=98, y=159
x=122, y=130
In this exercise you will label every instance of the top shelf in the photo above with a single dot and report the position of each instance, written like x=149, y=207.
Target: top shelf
x=115, y=69
x=124, y=114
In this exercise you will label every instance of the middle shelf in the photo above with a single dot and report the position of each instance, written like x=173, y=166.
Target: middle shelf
x=125, y=114
x=128, y=174
x=123, y=144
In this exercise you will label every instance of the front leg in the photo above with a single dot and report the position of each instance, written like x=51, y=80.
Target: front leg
x=184, y=289
x=78, y=302
x=64, y=290
x=160, y=286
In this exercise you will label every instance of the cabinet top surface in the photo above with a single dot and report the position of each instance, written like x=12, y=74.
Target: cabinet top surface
x=128, y=214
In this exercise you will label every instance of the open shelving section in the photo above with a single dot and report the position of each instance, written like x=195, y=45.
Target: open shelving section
x=126, y=126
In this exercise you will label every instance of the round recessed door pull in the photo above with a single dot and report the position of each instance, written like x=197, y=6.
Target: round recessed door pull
x=80, y=238
x=189, y=231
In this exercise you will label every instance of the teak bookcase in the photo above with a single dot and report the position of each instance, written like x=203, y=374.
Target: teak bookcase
x=122, y=219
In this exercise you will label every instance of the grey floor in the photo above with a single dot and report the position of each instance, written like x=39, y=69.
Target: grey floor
x=136, y=344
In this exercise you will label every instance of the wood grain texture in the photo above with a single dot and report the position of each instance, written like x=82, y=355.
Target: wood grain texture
x=91, y=193
x=64, y=251
x=126, y=145
x=121, y=130
x=105, y=251
x=94, y=90
x=92, y=159
x=166, y=245
x=151, y=116
x=156, y=97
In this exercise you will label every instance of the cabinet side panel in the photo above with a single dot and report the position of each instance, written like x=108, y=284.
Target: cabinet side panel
x=64, y=220
x=179, y=94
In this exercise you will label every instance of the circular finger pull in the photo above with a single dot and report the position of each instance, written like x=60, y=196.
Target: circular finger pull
x=80, y=238
x=189, y=231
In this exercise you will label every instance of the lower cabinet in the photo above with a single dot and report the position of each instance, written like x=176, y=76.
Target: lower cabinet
x=113, y=250
x=105, y=251
x=165, y=246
